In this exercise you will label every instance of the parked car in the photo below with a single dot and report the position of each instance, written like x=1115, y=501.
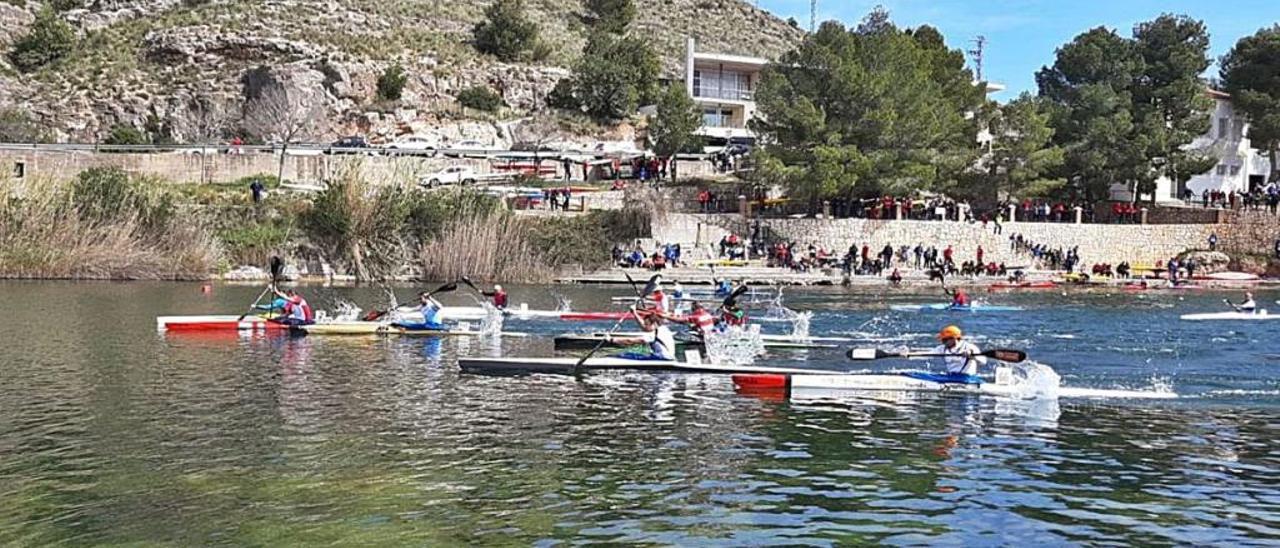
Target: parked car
x=346, y=145
x=414, y=144
x=451, y=175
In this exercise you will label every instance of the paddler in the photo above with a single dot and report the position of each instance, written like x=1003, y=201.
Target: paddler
x=660, y=301
x=959, y=298
x=430, y=309
x=658, y=338
x=961, y=356
x=498, y=295
x=295, y=310
x=723, y=287
x=733, y=315
x=701, y=319
x=1248, y=306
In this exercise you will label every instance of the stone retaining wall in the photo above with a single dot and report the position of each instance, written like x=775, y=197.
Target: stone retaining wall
x=1098, y=243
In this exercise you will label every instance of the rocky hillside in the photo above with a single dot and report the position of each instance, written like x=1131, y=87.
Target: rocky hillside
x=180, y=62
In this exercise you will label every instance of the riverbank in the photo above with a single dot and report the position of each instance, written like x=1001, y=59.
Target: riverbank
x=110, y=225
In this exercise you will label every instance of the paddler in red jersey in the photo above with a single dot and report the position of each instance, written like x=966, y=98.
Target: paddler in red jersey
x=701, y=320
x=296, y=309
x=660, y=301
x=498, y=295
x=958, y=297
x=733, y=315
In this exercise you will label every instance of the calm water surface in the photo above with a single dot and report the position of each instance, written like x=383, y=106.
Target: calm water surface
x=113, y=434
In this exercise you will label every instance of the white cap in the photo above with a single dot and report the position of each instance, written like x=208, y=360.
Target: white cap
x=497, y=287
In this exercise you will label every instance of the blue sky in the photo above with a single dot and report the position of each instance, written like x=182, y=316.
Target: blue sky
x=1022, y=35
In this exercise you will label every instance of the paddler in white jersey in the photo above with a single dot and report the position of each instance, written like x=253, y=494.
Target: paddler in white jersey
x=658, y=338
x=961, y=356
x=1248, y=306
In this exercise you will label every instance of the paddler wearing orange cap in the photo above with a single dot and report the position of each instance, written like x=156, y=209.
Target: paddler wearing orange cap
x=961, y=356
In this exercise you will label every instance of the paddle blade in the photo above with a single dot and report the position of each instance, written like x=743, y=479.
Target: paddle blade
x=1006, y=355
x=732, y=299
x=445, y=288
x=467, y=281
x=863, y=354
x=652, y=286
x=276, y=267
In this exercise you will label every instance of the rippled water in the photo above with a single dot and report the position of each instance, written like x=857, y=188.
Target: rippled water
x=110, y=433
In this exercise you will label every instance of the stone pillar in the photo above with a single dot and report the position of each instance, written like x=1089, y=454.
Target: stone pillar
x=826, y=209
x=1079, y=214
x=744, y=208
x=1013, y=210
x=1144, y=215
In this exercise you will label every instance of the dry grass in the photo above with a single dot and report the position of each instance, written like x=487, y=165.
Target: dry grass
x=492, y=247
x=43, y=235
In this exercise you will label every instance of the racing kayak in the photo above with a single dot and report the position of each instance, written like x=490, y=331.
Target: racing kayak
x=587, y=341
x=217, y=323
x=1232, y=316
x=910, y=382
x=605, y=363
x=946, y=307
x=379, y=328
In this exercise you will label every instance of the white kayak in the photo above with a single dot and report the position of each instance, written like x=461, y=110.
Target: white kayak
x=381, y=328
x=838, y=384
x=1232, y=316
x=605, y=363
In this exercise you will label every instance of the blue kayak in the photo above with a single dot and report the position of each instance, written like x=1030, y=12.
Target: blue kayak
x=948, y=307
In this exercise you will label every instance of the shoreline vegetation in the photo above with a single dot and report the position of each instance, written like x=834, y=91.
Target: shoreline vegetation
x=108, y=225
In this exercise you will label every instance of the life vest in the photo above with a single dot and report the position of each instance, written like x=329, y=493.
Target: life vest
x=961, y=298
x=660, y=301
x=734, y=317
x=298, y=309
x=500, y=299
x=703, y=321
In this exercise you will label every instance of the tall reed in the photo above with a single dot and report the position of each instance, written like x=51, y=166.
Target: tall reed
x=496, y=246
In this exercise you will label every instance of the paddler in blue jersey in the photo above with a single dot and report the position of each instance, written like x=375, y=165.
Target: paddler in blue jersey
x=724, y=287
x=962, y=357
x=295, y=310
x=430, y=309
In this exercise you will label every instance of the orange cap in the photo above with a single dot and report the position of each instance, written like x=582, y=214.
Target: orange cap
x=950, y=332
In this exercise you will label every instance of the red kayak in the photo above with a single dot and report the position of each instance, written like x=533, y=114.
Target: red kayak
x=217, y=323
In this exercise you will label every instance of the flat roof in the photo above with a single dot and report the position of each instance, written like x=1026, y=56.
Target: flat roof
x=726, y=58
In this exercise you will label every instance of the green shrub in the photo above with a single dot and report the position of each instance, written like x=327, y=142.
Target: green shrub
x=123, y=134
x=391, y=83
x=611, y=15
x=107, y=194
x=480, y=98
x=49, y=40
x=505, y=32
x=254, y=243
x=615, y=75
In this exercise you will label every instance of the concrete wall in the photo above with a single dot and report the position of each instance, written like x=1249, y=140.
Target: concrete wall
x=204, y=168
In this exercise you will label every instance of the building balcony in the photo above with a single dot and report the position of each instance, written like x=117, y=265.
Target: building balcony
x=723, y=94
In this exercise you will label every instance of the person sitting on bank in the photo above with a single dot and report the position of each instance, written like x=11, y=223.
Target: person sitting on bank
x=961, y=357
x=295, y=311
x=430, y=309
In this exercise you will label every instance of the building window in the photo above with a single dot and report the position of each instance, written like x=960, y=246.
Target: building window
x=19, y=170
x=1235, y=170
x=1224, y=127
x=697, y=83
x=1222, y=169
x=715, y=117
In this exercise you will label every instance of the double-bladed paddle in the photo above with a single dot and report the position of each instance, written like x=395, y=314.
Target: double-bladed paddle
x=577, y=366
x=1000, y=354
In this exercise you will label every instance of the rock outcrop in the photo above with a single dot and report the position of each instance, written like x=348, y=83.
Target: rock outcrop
x=181, y=62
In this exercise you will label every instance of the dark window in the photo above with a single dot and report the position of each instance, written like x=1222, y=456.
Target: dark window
x=19, y=170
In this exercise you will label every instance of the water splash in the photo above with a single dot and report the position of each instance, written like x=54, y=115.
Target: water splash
x=800, y=325
x=563, y=303
x=734, y=346
x=491, y=325
x=1031, y=380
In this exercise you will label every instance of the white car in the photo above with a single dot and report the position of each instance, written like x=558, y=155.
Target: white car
x=415, y=143
x=451, y=175
x=472, y=144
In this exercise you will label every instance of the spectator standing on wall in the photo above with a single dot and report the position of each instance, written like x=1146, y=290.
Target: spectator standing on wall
x=1278, y=248
x=1213, y=242
x=567, y=167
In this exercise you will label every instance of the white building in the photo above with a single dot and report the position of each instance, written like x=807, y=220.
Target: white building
x=723, y=86
x=1240, y=167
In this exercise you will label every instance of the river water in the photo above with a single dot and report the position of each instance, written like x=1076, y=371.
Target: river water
x=112, y=433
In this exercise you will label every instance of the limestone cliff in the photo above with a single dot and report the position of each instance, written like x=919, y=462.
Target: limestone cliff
x=180, y=62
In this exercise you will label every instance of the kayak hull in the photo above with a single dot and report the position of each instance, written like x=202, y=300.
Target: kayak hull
x=1231, y=316
x=786, y=383
x=945, y=307
x=567, y=366
x=378, y=328
x=216, y=323
x=590, y=340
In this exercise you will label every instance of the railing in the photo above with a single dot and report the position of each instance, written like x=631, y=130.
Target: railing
x=720, y=93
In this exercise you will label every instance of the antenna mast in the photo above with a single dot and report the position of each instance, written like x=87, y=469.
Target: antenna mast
x=980, y=44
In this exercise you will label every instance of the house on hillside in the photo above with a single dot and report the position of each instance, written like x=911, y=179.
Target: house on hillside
x=1240, y=168
x=723, y=86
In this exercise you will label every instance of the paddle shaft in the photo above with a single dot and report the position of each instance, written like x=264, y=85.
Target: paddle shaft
x=577, y=366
